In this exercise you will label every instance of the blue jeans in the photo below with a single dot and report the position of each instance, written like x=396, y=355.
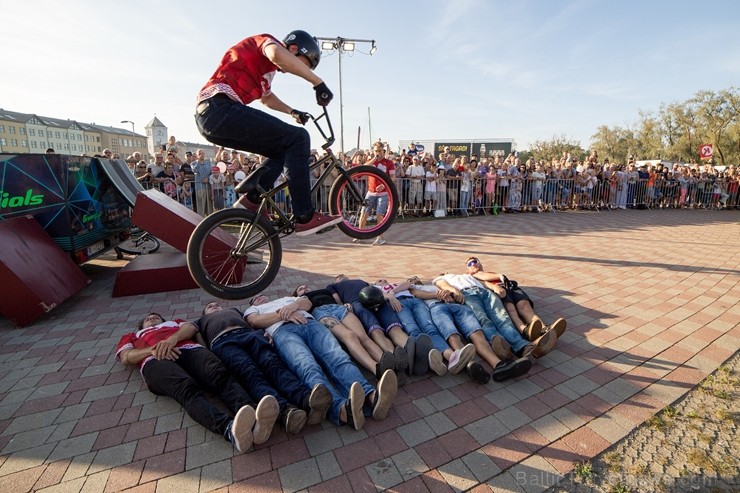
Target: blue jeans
x=451, y=318
x=491, y=313
x=256, y=365
x=377, y=202
x=416, y=318
x=464, y=200
x=230, y=124
x=337, y=312
x=218, y=199
x=384, y=318
x=306, y=348
x=631, y=187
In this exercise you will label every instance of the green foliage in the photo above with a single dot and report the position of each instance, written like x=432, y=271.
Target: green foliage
x=614, y=143
x=620, y=487
x=677, y=130
x=583, y=470
x=555, y=148
x=674, y=133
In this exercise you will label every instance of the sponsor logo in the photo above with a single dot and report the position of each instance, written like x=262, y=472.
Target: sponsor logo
x=91, y=217
x=11, y=202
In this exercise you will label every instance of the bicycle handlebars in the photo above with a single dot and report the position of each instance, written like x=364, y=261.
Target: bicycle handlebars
x=328, y=138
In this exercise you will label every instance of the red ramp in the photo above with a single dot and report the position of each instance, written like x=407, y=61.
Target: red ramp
x=36, y=275
x=172, y=223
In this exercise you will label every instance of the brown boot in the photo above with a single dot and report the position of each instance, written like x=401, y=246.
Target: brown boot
x=540, y=347
x=559, y=326
x=533, y=330
x=501, y=348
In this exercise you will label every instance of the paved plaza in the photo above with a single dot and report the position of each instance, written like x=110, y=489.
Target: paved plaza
x=652, y=300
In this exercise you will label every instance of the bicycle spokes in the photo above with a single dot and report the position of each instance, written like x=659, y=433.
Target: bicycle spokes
x=367, y=201
x=233, y=254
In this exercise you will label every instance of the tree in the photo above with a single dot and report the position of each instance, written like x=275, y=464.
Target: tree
x=650, y=137
x=555, y=148
x=716, y=112
x=677, y=130
x=615, y=143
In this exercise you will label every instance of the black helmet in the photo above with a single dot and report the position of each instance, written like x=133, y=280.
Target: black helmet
x=307, y=46
x=371, y=297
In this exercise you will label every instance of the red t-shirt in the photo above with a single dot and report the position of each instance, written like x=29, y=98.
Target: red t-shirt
x=245, y=73
x=150, y=336
x=385, y=165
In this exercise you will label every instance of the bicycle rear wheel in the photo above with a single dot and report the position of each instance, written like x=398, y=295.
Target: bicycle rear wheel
x=228, y=263
x=139, y=245
x=343, y=201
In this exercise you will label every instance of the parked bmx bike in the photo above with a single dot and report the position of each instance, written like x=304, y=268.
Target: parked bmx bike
x=236, y=253
x=139, y=243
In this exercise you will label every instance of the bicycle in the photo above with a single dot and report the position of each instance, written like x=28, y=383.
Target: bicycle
x=139, y=243
x=236, y=253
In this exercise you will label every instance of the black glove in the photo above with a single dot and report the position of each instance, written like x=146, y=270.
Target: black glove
x=300, y=116
x=323, y=94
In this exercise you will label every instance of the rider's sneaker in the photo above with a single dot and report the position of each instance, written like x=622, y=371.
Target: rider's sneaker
x=318, y=222
x=245, y=203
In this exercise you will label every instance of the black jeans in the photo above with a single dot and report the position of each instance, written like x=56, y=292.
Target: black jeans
x=225, y=122
x=184, y=381
x=258, y=367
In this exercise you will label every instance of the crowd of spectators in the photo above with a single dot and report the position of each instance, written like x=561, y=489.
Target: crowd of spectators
x=461, y=186
x=449, y=184
x=194, y=181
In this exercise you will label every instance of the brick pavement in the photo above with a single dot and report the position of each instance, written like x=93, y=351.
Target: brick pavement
x=652, y=301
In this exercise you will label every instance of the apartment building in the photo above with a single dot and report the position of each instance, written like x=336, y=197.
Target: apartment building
x=30, y=133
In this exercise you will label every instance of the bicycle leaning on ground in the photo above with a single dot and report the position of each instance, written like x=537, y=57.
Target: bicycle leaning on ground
x=138, y=243
x=236, y=253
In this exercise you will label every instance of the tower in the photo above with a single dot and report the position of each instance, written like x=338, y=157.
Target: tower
x=156, y=135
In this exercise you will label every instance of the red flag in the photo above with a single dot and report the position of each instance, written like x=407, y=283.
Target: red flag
x=706, y=151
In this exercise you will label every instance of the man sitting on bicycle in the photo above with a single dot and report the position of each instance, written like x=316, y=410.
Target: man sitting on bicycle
x=224, y=117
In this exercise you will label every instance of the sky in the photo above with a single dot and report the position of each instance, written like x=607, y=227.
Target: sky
x=443, y=70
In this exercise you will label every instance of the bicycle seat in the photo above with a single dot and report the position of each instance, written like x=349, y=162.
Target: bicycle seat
x=251, y=181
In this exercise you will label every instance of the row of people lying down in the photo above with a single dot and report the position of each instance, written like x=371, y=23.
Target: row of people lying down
x=277, y=362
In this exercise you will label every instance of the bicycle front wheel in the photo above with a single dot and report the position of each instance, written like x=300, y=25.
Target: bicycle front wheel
x=139, y=245
x=358, y=219
x=232, y=254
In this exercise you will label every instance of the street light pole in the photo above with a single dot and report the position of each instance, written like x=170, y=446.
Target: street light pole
x=341, y=105
x=342, y=45
x=133, y=133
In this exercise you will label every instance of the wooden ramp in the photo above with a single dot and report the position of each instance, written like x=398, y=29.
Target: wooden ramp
x=36, y=274
x=172, y=223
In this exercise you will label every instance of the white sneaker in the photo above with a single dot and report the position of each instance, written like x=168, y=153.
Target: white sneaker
x=460, y=359
x=240, y=432
x=436, y=362
x=356, y=240
x=379, y=241
x=265, y=415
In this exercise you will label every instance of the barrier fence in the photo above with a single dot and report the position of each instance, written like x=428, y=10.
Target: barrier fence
x=481, y=196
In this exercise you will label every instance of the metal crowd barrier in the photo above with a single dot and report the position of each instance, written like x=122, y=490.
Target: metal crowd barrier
x=482, y=196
